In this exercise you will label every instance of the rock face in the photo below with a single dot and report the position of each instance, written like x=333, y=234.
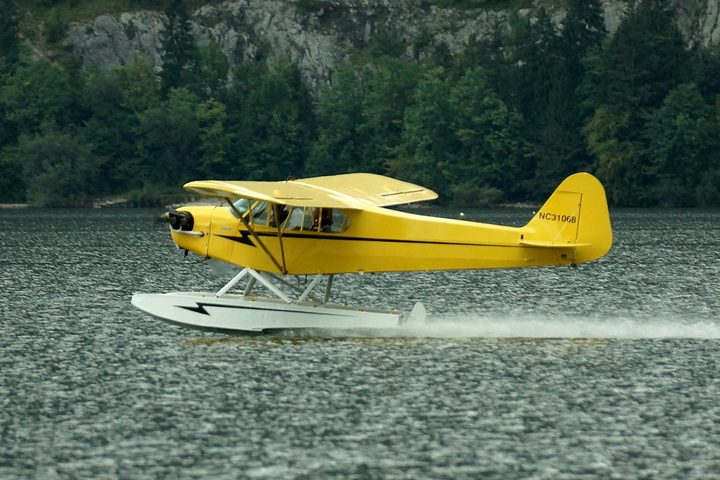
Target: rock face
x=318, y=35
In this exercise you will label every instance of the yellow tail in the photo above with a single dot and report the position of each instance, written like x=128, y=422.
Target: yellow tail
x=576, y=215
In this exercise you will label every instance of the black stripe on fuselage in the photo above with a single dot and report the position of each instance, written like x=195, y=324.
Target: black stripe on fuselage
x=246, y=240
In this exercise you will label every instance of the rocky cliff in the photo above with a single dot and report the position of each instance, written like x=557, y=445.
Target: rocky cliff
x=319, y=34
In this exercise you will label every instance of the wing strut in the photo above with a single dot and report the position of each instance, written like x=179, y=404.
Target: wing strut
x=283, y=267
x=280, y=223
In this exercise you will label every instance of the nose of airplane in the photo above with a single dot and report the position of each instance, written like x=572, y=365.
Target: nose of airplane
x=190, y=228
x=180, y=220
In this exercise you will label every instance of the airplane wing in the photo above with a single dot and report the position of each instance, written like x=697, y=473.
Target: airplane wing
x=352, y=190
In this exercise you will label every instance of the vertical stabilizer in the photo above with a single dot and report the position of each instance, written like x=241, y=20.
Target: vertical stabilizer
x=576, y=215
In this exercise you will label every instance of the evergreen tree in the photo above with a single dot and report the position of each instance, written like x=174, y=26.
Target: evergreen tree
x=339, y=111
x=271, y=115
x=582, y=28
x=620, y=160
x=214, y=69
x=640, y=64
x=180, y=56
x=626, y=80
x=9, y=40
x=110, y=129
x=426, y=154
x=140, y=86
x=38, y=95
x=388, y=86
x=12, y=180
x=59, y=169
x=247, y=78
x=214, y=139
x=490, y=162
x=681, y=140
x=168, y=141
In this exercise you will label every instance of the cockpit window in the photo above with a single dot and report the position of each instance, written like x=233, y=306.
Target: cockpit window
x=240, y=205
x=330, y=220
x=259, y=210
x=305, y=219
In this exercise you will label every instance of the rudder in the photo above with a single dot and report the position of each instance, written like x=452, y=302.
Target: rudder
x=576, y=215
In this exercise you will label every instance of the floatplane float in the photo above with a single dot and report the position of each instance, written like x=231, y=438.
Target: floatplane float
x=324, y=226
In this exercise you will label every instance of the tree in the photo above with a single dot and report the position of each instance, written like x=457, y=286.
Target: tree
x=59, y=170
x=214, y=139
x=426, y=153
x=621, y=165
x=9, y=40
x=168, y=141
x=490, y=164
x=214, y=68
x=637, y=67
x=582, y=28
x=140, y=86
x=680, y=143
x=38, y=95
x=12, y=180
x=339, y=111
x=180, y=56
x=272, y=120
x=626, y=80
x=388, y=86
x=110, y=129
x=361, y=116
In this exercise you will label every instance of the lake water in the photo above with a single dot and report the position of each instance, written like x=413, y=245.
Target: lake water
x=606, y=371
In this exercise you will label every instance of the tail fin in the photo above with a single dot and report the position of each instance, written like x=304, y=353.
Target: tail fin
x=576, y=215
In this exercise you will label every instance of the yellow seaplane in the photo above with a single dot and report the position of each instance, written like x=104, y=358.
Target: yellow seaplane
x=323, y=226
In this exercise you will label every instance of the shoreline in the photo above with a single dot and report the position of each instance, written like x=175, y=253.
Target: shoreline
x=9, y=206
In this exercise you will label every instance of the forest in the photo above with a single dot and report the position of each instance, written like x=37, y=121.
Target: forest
x=503, y=121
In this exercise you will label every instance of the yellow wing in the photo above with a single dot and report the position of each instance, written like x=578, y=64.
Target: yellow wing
x=352, y=190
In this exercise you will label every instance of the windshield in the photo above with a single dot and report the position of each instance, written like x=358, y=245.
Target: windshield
x=259, y=209
x=240, y=205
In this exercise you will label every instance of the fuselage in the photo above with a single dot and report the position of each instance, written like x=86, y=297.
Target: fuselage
x=373, y=239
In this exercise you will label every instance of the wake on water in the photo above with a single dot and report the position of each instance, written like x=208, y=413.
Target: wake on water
x=533, y=327
x=468, y=326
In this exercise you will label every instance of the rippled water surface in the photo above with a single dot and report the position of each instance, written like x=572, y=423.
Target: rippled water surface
x=608, y=370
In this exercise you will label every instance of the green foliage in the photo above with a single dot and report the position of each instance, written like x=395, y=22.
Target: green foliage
x=168, y=140
x=681, y=138
x=214, y=140
x=619, y=157
x=9, y=39
x=37, y=95
x=640, y=63
x=428, y=141
x=271, y=114
x=461, y=139
x=12, y=180
x=59, y=170
x=180, y=56
x=471, y=4
x=504, y=120
x=140, y=86
x=339, y=114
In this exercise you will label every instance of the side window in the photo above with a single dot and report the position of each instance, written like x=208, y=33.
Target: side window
x=341, y=222
x=278, y=215
x=295, y=219
x=260, y=213
x=308, y=219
